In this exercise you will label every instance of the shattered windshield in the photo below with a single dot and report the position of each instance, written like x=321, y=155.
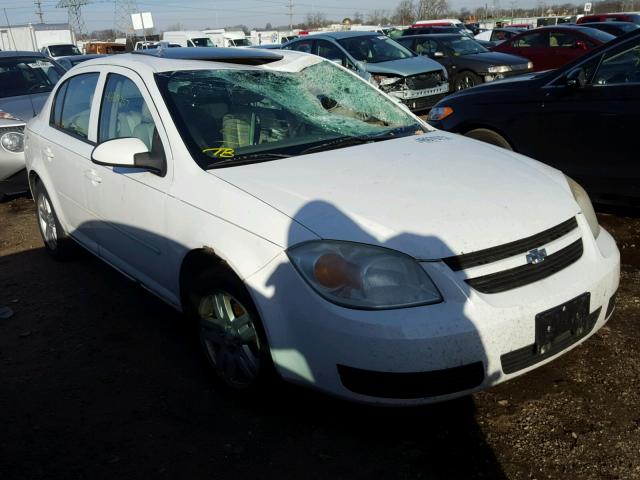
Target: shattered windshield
x=227, y=116
x=374, y=48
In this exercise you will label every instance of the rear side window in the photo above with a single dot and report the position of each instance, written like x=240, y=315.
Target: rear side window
x=302, y=46
x=532, y=40
x=72, y=107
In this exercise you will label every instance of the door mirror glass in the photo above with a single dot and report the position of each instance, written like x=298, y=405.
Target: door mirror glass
x=128, y=153
x=575, y=78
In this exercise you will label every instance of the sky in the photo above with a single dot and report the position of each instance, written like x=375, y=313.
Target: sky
x=199, y=14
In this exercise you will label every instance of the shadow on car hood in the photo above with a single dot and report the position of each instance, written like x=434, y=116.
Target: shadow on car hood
x=465, y=193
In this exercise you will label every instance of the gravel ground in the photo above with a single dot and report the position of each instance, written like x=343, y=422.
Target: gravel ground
x=99, y=380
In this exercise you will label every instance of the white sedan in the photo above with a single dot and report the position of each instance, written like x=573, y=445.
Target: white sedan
x=312, y=228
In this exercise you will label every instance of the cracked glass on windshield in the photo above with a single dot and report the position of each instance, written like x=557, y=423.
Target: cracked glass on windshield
x=227, y=116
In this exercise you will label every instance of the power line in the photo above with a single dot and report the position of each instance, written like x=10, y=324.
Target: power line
x=39, y=10
x=122, y=16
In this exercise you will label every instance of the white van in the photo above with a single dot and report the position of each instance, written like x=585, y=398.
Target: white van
x=221, y=38
x=188, y=38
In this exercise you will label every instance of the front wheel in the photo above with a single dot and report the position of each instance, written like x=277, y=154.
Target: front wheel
x=231, y=335
x=464, y=80
x=489, y=136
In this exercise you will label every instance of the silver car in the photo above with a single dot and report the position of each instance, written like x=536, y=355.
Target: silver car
x=26, y=78
x=417, y=82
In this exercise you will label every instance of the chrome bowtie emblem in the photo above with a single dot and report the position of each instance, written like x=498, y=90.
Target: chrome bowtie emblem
x=536, y=256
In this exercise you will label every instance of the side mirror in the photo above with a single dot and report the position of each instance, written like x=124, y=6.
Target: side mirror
x=128, y=152
x=575, y=79
x=438, y=54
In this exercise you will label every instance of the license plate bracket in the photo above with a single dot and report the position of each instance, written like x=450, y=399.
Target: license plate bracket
x=556, y=325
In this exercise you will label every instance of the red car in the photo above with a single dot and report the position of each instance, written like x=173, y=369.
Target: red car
x=552, y=47
x=610, y=17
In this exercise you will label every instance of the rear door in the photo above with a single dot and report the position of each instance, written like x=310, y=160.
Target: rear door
x=533, y=46
x=66, y=149
x=565, y=46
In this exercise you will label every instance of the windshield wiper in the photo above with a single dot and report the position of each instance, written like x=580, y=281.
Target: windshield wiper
x=247, y=158
x=336, y=143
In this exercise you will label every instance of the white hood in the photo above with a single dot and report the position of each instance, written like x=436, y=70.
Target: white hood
x=430, y=196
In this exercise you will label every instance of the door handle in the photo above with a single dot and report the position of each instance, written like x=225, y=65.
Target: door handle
x=48, y=153
x=93, y=176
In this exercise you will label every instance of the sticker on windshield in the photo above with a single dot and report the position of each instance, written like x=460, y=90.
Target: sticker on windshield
x=220, y=152
x=432, y=138
x=39, y=64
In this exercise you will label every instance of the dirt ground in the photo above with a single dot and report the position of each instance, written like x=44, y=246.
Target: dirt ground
x=98, y=379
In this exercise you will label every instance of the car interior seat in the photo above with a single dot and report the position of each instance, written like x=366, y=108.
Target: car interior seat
x=241, y=126
x=144, y=130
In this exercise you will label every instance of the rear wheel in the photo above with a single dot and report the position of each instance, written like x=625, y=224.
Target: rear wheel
x=56, y=241
x=464, y=80
x=489, y=136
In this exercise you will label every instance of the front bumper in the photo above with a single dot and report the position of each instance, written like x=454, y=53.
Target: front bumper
x=422, y=354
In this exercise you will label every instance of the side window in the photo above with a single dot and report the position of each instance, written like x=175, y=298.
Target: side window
x=303, y=46
x=329, y=51
x=532, y=40
x=562, y=40
x=619, y=68
x=71, y=111
x=424, y=46
x=124, y=113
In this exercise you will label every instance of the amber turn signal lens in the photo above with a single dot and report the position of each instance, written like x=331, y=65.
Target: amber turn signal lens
x=333, y=271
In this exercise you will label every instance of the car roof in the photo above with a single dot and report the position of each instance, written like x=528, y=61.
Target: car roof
x=615, y=23
x=341, y=35
x=24, y=53
x=435, y=35
x=205, y=58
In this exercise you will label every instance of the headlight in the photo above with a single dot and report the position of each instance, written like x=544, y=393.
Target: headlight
x=582, y=198
x=439, y=113
x=13, y=142
x=529, y=65
x=382, y=81
x=7, y=116
x=499, y=69
x=363, y=276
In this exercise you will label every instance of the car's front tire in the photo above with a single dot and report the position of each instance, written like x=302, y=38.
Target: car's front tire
x=489, y=136
x=464, y=80
x=56, y=241
x=230, y=333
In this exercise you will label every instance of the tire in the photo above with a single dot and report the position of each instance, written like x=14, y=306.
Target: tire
x=464, y=80
x=56, y=241
x=233, y=343
x=489, y=136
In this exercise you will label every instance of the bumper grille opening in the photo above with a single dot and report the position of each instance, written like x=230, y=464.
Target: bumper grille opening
x=489, y=255
x=423, y=103
x=611, y=306
x=526, y=274
x=412, y=385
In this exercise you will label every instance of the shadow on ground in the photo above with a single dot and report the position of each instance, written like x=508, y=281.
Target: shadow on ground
x=100, y=380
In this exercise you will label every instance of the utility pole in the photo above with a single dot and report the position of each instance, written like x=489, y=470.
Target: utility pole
x=290, y=16
x=39, y=10
x=122, y=17
x=74, y=10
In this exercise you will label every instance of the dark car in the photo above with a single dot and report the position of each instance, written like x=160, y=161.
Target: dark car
x=69, y=62
x=499, y=35
x=614, y=28
x=582, y=118
x=427, y=30
x=610, y=17
x=467, y=62
x=552, y=47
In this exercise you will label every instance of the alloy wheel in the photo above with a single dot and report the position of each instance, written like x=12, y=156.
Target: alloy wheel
x=47, y=222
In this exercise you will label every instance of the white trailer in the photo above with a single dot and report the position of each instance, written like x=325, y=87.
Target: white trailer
x=33, y=37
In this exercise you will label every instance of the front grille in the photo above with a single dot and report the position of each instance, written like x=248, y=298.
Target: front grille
x=423, y=103
x=526, y=274
x=489, y=255
x=13, y=128
x=412, y=385
x=424, y=80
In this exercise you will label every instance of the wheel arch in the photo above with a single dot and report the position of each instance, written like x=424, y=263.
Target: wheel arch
x=466, y=128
